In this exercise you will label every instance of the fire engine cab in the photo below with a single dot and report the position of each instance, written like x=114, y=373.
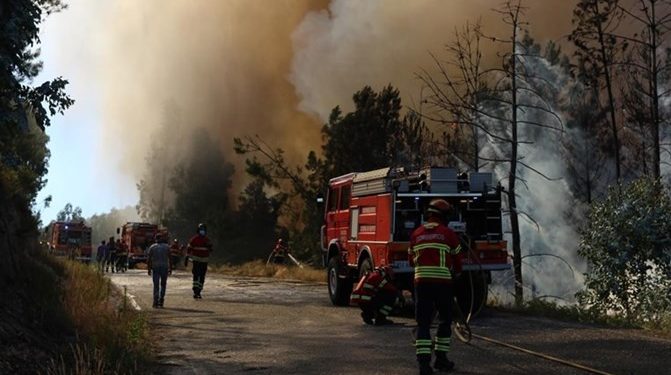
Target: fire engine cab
x=369, y=217
x=136, y=239
x=70, y=239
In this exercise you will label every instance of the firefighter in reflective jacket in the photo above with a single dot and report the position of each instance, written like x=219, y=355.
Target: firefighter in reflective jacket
x=376, y=295
x=435, y=253
x=199, y=250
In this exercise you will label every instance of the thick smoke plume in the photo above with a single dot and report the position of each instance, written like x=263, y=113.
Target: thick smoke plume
x=354, y=43
x=230, y=65
x=223, y=63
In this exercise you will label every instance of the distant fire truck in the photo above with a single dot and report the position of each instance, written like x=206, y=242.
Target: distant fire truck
x=70, y=239
x=370, y=216
x=136, y=239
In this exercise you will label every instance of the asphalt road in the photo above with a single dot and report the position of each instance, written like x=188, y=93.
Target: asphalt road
x=267, y=326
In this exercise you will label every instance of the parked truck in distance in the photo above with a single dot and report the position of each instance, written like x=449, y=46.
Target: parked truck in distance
x=69, y=239
x=369, y=217
x=136, y=239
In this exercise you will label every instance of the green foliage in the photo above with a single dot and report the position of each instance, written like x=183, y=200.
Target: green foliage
x=373, y=136
x=256, y=221
x=628, y=248
x=25, y=111
x=69, y=213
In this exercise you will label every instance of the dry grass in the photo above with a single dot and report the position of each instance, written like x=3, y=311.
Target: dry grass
x=258, y=268
x=111, y=338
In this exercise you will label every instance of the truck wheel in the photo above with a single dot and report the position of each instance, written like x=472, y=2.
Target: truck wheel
x=339, y=289
x=366, y=266
x=471, y=292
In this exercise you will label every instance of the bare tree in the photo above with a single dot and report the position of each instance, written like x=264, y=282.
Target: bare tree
x=457, y=93
x=646, y=66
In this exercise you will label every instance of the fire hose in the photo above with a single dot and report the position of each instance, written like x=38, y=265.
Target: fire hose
x=288, y=255
x=463, y=332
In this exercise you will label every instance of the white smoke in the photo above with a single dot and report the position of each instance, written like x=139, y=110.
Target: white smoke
x=548, y=212
x=355, y=43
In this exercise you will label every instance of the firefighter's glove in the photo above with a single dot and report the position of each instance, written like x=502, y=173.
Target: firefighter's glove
x=149, y=272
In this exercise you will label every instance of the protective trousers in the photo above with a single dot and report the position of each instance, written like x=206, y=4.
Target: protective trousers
x=160, y=277
x=199, y=270
x=384, y=303
x=111, y=262
x=121, y=262
x=380, y=306
x=430, y=296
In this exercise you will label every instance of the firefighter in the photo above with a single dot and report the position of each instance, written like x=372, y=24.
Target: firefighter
x=175, y=253
x=435, y=253
x=121, y=256
x=280, y=252
x=111, y=255
x=376, y=295
x=199, y=250
x=101, y=256
x=159, y=267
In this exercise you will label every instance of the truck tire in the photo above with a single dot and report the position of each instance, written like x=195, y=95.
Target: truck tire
x=339, y=288
x=472, y=292
x=365, y=266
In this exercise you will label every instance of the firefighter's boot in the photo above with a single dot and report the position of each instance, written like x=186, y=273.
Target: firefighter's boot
x=367, y=317
x=443, y=364
x=425, y=368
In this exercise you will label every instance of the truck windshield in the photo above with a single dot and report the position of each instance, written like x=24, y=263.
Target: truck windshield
x=69, y=237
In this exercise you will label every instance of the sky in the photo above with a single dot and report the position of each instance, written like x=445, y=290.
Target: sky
x=83, y=168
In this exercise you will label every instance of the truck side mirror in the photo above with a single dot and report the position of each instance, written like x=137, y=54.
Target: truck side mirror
x=320, y=199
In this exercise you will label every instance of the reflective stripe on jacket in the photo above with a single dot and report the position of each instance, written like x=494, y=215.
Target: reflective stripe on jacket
x=434, y=252
x=199, y=248
x=370, y=284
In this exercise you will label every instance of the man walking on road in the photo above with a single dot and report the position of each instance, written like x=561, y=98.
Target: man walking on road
x=101, y=256
x=111, y=255
x=434, y=252
x=199, y=250
x=158, y=265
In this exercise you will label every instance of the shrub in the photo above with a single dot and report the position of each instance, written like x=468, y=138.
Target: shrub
x=110, y=339
x=628, y=249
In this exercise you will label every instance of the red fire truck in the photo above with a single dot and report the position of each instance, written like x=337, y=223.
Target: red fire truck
x=70, y=239
x=370, y=216
x=136, y=239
